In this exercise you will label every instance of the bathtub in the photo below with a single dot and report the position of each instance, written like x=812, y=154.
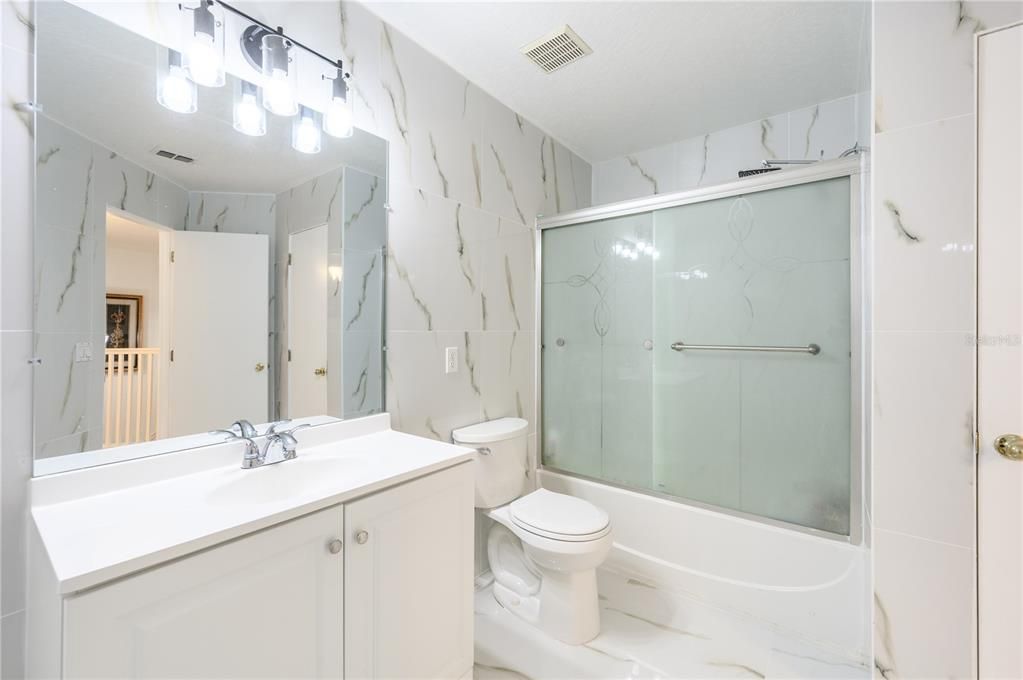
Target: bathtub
x=811, y=587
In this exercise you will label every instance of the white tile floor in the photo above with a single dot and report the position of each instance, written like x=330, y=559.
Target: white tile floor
x=649, y=633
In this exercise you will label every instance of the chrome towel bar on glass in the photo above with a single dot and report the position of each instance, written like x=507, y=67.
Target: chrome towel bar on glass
x=809, y=349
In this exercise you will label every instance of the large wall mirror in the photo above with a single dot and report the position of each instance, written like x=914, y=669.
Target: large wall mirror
x=198, y=258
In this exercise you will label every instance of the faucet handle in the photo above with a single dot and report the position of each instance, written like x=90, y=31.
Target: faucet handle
x=289, y=444
x=273, y=426
x=296, y=429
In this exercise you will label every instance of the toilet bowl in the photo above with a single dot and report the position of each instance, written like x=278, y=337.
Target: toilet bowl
x=544, y=547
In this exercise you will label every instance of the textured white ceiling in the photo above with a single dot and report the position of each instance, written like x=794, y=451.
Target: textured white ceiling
x=659, y=72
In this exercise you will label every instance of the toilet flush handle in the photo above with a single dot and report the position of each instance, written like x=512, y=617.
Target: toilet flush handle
x=483, y=450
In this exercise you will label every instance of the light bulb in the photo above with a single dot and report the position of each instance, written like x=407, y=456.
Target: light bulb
x=338, y=119
x=279, y=76
x=305, y=132
x=334, y=271
x=204, y=48
x=174, y=90
x=337, y=122
x=249, y=114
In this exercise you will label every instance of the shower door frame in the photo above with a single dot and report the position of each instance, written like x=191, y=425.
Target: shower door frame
x=859, y=298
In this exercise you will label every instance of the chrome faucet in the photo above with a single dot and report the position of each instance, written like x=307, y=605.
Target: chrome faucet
x=256, y=456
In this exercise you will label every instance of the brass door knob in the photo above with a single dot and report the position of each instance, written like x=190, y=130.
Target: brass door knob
x=260, y=367
x=1010, y=446
x=320, y=371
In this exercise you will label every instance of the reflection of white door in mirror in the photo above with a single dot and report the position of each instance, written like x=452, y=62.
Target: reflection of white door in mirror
x=307, y=321
x=216, y=287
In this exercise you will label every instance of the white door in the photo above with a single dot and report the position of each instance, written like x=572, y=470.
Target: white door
x=218, y=330
x=265, y=606
x=307, y=323
x=1000, y=356
x=409, y=579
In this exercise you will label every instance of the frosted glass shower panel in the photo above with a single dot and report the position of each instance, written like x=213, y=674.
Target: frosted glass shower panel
x=765, y=433
x=597, y=357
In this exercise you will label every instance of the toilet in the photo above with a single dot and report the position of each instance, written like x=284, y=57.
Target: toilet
x=544, y=547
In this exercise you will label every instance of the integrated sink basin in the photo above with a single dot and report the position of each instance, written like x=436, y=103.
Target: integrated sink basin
x=287, y=479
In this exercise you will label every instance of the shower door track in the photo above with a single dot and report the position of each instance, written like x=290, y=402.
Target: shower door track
x=859, y=365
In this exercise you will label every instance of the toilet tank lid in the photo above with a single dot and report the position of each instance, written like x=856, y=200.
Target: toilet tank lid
x=490, y=431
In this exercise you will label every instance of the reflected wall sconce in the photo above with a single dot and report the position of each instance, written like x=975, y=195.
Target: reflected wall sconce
x=174, y=90
x=204, y=44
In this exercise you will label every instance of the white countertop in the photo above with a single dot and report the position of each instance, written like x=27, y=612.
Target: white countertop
x=103, y=523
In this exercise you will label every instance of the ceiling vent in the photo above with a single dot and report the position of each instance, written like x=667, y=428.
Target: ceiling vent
x=164, y=153
x=557, y=49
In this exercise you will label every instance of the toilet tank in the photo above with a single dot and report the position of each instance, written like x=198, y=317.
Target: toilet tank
x=500, y=459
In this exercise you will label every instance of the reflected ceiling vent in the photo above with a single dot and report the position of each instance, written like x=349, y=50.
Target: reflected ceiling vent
x=557, y=49
x=164, y=153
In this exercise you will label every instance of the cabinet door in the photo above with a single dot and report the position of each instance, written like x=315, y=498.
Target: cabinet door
x=409, y=579
x=265, y=606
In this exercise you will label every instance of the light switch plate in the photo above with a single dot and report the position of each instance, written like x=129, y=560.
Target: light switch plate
x=451, y=360
x=83, y=351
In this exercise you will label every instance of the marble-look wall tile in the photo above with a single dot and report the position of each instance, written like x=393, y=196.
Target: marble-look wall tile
x=315, y=202
x=923, y=55
x=435, y=266
x=506, y=374
x=12, y=643
x=434, y=120
x=909, y=392
x=364, y=213
x=924, y=227
x=507, y=275
x=17, y=25
x=16, y=445
x=922, y=625
x=644, y=173
x=17, y=165
x=824, y=130
x=231, y=213
x=421, y=398
x=821, y=131
x=522, y=178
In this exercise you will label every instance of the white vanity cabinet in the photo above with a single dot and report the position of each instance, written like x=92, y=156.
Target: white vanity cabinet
x=265, y=606
x=377, y=586
x=408, y=580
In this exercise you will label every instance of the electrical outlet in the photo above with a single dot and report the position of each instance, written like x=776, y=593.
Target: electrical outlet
x=451, y=360
x=83, y=351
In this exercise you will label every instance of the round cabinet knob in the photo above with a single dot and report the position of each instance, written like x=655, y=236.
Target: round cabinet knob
x=361, y=537
x=260, y=367
x=1010, y=446
x=335, y=546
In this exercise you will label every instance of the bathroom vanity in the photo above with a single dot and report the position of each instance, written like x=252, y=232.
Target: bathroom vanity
x=353, y=560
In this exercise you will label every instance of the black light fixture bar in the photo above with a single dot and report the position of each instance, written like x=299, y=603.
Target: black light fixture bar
x=334, y=63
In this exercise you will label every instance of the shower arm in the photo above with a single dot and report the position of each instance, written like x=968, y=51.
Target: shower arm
x=855, y=149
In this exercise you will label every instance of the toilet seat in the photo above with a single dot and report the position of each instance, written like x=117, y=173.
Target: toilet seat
x=559, y=517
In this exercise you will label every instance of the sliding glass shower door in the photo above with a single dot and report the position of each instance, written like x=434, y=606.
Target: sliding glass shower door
x=703, y=351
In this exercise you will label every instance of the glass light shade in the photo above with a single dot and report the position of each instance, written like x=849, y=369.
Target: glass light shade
x=204, y=45
x=305, y=131
x=249, y=114
x=338, y=120
x=174, y=90
x=280, y=76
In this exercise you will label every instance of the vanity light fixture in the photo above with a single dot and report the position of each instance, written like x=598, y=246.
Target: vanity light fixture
x=338, y=121
x=204, y=45
x=249, y=114
x=173, y=88
x=280, y=74
x=305, y=131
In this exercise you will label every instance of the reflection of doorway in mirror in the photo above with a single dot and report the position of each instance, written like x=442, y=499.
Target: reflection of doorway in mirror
x=308, y=281
x=131, y=384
